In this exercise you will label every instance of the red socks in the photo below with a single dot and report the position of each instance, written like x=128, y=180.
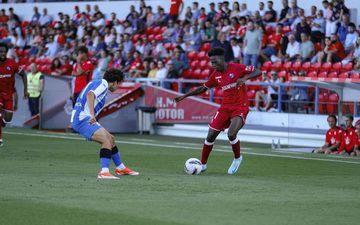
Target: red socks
x=206, y=151
x=235, y=144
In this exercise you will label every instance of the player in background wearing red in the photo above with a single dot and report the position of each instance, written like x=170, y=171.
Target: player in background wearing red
x=175, y=9
x=357, y=127
x=350, y=140
x=82, y=71
x=8, y=69
x=333, y=137
x=231, y=77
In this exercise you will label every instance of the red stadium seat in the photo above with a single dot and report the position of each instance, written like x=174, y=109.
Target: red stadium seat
x=194, y=64
x=277, y=65
x=336, y=67
x=191, y=55
x=158, y=37
x=344, y=75
x=266, y=66
x=323, y=99
x=287, y=66
x=205, y=74
x=347, y=67
x=332, y=105
x=326, y=66
x=282, y=73
x=296, y=66
x=306, y=66
x=163, y=29
x=355, y=75
x=197, y=74
x=316, y=66
x=151, y=37
x=157, y=30
x=348, y=108
x=312, y=74
x=149, y=30
x=201, y=55
x=135, y=38
x=203, y=64
x=322, y=74
x=186, y=74
x=333, y=75
x=286, y=29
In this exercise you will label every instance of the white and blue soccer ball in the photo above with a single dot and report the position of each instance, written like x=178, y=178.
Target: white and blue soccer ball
x=193, y=166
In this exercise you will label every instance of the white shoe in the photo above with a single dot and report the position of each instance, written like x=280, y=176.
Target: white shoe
x=106, y=175
x=204, y=167
x=1, y=143
x=235, y=165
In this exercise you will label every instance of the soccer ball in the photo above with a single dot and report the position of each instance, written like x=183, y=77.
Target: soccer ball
x=192, y=166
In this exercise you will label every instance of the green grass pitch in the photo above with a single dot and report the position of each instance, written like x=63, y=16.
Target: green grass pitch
x=49, y=178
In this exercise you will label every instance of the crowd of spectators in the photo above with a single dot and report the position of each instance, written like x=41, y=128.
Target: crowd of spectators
x=156, y=44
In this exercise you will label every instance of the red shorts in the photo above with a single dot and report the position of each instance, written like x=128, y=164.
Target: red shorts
x=223, y=116
x=6, y=102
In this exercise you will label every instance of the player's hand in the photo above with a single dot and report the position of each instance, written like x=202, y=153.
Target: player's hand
x=239, y=82
x=179, y=98
x=92, y=120
x=26, y=94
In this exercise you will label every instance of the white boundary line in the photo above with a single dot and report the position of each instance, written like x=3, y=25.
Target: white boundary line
x=48, y=135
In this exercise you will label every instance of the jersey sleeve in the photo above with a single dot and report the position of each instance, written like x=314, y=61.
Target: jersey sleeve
x=342, y=145
x=243, y=69
x=99, y=88
x=211, y=83
x=88, y=66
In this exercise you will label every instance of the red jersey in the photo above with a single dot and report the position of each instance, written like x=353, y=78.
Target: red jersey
x=175, y=6
x=227, y=82
x=82, y=80
x=334, y=136
x=8, y=69
x=349, y=140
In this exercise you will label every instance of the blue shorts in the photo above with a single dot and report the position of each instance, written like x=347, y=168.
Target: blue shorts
x=84, y=128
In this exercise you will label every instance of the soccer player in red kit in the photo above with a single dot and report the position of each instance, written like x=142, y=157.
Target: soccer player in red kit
x=231, y=77
x=82, y=71
x=333, y=137
x=8, y=69
x=350, y=141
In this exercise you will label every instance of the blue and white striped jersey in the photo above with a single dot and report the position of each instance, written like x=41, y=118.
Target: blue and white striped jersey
x=81, y=108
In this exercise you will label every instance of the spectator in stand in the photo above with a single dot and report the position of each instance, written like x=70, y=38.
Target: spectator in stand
x=302, y=27
x=273, y=44
x=333, y=51
x=307, y=49
x=99, y=21
x=102, y=65
x=162, y=71
x=176, y=7
x=313, y=14
x=298, y=18
x=3, y=17
x=252, y=45
x=110, y=35
x=235, y=10
x=188, y=14
x=351, y=38
x=35, y=85
x=350, y=140
x=244, y=11
x=128, y=45
x=162, y=17
x=119, y=27
x=52, y=47
x=223, y=43
x=331, y=22
x=172, y=73
x=55, y=67
x=236, y=50
x=77, y=15
x=14, y=19
x=194, y=38
x=150, y=20
x=293, y=49
x=118, y=60
x=354, y=54
x=66, y=67
x=282, y=52
x=270, y=16
x=132, y=9
x=318, y=27
x=179, y=60
x=202, y=17
x=158, y=51
x=45, y=19
x=343, y=28
x=142, y=12
x=153, y=70
x=333, y=137
x=212, y=12
x=195, y=12
x=210, y=31
x=36, y=17
x=262, y=9
x=267, y=97
x=284, y=12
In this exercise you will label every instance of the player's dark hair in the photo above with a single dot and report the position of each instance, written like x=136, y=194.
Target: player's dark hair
x=350, y=117
x=82, y=49
x=333, y=116
x=216, y=52
x=4, y=45
x=113, y=75
x=352, y=25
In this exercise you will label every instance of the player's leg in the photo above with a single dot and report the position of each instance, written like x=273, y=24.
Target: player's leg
x=120, y=169
x=235, y=125
x=5, y=117
x=106, y=140
x=208, y=146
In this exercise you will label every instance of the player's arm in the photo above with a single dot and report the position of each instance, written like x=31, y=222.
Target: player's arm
x=196, y=91
x=24, y=79
x=90, y=98
x=334, y=146
x=15, y=100
x=249, y=76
